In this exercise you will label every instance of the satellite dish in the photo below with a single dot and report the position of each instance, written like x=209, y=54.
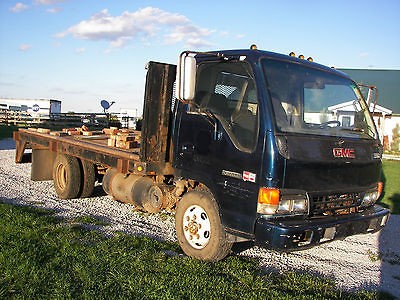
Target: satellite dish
x=104, y=104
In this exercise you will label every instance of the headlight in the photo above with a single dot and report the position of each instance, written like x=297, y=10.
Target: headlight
x=285, y=205
x=276, y=202
x=300, y=205
x=370, y=197
x=293, y=204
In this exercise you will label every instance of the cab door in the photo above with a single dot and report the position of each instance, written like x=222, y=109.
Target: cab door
x=218, y=140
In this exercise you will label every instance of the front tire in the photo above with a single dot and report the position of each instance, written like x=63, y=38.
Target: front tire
x=67, y=176
x=199, y=229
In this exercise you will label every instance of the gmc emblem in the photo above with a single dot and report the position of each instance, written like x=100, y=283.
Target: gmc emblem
x=344, y=152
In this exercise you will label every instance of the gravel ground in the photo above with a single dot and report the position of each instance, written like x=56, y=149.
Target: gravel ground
x=370, y=261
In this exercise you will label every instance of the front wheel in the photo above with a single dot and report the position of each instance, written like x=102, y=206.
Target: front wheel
x=199, y=229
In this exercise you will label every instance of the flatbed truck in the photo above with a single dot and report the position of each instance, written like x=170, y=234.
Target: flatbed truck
x=243, y=145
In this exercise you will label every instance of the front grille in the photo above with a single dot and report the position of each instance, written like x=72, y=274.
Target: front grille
x=335, y=204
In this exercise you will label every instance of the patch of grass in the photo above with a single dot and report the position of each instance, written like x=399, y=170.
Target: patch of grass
x=41, y=257
x=89, y=220
x=374, y=256
x=391, y=152
x=391, y=192
x=166, y=216
x=6, y=131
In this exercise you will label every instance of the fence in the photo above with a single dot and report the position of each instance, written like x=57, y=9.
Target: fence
x=62, y=120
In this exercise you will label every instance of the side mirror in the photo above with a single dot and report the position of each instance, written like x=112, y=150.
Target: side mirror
x=186, y=76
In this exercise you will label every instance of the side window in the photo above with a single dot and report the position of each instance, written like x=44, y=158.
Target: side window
x=228, y=91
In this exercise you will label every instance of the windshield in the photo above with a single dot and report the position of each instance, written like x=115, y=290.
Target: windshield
x=311, y=101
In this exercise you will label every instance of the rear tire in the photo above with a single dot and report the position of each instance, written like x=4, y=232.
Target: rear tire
x=199, y=229
x=67, y=176
x=88, y=178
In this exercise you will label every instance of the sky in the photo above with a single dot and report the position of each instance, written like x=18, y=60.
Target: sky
x=85, y=51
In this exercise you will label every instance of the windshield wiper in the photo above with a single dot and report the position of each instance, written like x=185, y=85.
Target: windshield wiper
x=357, y=129
x=368, y=130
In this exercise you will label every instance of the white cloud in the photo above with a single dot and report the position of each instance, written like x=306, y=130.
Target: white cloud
x=147, y=22
x=54, y=10
x=48, y=2
x=24, y=47
x=120, y=42
x=80, y=50
x=192, y=36
x=19, y=7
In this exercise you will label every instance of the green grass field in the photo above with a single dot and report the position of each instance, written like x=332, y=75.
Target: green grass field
x=6, y=131
x=44, y=257
x=391, y=192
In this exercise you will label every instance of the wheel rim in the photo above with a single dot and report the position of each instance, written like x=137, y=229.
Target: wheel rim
x=61, y=176
x=196, y=227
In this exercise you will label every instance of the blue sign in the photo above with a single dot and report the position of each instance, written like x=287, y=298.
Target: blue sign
x=35, y=108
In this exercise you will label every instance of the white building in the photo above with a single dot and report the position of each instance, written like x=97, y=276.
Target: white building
x=128, y=117
x=390, y=122
x=33, y=107
x=384, y=121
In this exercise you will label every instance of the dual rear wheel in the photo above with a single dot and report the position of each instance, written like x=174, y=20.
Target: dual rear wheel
x=72, y=177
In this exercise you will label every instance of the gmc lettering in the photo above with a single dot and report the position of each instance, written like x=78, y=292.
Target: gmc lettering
x=344, y=152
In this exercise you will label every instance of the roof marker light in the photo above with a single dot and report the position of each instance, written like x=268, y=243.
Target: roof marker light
x=292, y=54
x=301, y=56
x=310, y=59
x=253, y=47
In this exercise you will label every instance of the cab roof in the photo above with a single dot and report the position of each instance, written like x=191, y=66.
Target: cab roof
x=254, y=55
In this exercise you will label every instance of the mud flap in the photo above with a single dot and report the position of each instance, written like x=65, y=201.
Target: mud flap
x=42, y=164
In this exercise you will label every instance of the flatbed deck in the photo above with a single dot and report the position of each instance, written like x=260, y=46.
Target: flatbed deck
x=93, y=148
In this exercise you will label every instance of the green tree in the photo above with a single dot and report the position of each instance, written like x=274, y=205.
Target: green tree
x=396, y=138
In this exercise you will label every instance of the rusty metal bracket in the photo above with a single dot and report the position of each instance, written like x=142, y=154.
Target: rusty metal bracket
x=53, y=146
x=122, y=165
x=19, y=148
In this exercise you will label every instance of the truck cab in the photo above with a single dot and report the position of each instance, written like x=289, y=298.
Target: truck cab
x=259, y=130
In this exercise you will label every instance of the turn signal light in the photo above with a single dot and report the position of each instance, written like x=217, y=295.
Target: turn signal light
x=268, y=196
x=268, y=200
x=380, y=188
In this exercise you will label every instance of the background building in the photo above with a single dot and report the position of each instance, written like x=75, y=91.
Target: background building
x=33, y=107
x=386, y=112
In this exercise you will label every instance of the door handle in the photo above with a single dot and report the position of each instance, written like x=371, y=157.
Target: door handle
x=187, y=148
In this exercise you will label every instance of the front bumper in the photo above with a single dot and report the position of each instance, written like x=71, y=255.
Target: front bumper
x=297, y=234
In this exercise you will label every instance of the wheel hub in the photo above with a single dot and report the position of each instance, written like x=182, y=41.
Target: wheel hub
x=193, y=227
x=61, y=176
x=197, y=227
